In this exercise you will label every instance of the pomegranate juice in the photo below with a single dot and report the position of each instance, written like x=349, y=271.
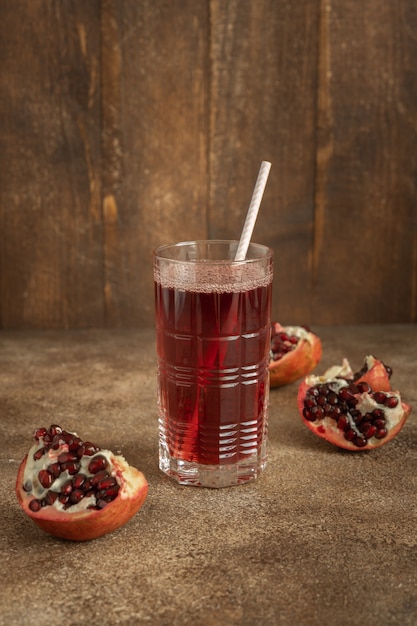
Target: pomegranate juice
x=213, y=345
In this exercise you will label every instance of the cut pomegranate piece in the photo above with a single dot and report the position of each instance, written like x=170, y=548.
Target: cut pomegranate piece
x=351, y=410
x=295, y=352
x=74, y=490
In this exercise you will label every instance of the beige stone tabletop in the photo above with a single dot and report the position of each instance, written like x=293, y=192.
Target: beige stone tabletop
x=324, y=537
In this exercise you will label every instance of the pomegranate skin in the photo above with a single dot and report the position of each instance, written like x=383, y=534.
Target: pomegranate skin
x=376, y=375
x=327, y=428
x=298, y=362
x=90, y=524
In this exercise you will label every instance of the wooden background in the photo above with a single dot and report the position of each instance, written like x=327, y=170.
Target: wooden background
x=125, y=124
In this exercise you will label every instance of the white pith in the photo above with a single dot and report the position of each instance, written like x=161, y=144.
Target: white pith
x=299, y=332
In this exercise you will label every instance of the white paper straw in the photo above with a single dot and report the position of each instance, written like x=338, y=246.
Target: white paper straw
x=252, y=213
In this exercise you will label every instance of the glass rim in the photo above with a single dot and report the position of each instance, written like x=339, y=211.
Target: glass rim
x=157, y=252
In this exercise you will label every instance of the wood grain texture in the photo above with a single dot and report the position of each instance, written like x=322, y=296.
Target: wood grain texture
x=366, y=192
x=125, y=125
x=50, y=213
x=263, y=91
x=155, y=69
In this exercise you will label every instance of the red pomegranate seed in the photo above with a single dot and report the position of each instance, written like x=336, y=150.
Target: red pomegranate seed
x=39, y=433
x=90, y=448
x=97, y=463
x=78, y=480
x=54, y=430
x=94, y=481
x=54, y=469
x=76, y=496
x=381, y=433
x=112, y=492
x=369, y=432
x=350, y=435
x=35, y=505
x=379, y=397
x=364, y=387
x=39, y=454
x=87, y=484
x=105, y=483
x=342, y=422
x=71, y=467
x=67, y=457
x=50, y=497
x=45, y=478
x=360, y=442
x=80, y=450
x=73, y=444
x=391, y=402
x=67, y=487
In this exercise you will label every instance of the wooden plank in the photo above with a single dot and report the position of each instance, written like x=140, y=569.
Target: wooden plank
x=155, y=73
x=263, y=100
x=50, y=214
x=365, y=260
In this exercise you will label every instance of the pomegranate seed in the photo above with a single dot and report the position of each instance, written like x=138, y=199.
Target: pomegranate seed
x=391, y=402
x=98, y=477
x=73, y=444
x=379, y=397
x=332, y=398
x=71, y=467
x=54, y=430
x=39, y=454
x=381, y=433
x=360, y=442
x=369, y=432
x=63, y=498
x=35, y=505
x=342, y=422
x=39, y=433
x=66, y=457
x=112, y=492
x=45, y=478
x=364, y=387
x=90, y=448
x=76, y=496
x=78, y=480
x=54, y=469
x=57, y=442
x=50, y=497
x=87, y=484
x=101, y=503
x=80, y=450
x=105, y=483
x=350, y=435
x=27, y=485
x=96, y=464
x=67, y=487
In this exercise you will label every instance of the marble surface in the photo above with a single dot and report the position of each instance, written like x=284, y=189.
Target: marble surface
x=323, y=537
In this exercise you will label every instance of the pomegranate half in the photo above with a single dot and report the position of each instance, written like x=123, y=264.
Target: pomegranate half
x=73, y=489
x=295, y=352
x=353, y=411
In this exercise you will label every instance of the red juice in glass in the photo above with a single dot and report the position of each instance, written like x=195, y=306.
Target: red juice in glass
x=213, y=343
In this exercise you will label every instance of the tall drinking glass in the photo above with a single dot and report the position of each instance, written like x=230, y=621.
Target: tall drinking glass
x=213, y=319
